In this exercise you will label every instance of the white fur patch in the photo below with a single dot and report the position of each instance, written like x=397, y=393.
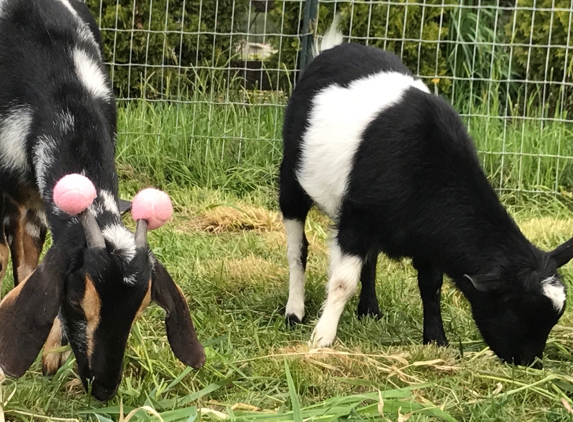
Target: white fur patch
x=65, y=121
x=554, y=290
x=90, y=74
x=336, y=123
x=109, y=203
x=86, y=35
x=68, y=6
x=84, y=32
x=122, y=240
x=14, y=131
x=43, y=218
x=295, y=233
x=44, y=155
x=130, y=279
x=33, y=230
x=331, y=38
x=104, y=202
x=343, y=280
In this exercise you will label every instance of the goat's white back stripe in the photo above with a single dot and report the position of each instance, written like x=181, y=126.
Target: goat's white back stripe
x=14, y=131
x=337, y=121
x=44, y=156
x=91, y=75
x=68, y=6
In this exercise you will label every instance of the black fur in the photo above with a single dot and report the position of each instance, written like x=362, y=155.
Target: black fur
x=416, y=190
x=38, y=73
x=36, y=40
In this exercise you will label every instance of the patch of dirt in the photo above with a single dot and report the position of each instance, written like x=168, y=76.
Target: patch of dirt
x=244, y=270
x=225, y=218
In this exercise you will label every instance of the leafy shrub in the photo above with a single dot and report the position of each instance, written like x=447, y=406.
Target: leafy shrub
x=167, y=35
x=477, y=60
x=173, y=48
x=539, y=42
x=395, y=27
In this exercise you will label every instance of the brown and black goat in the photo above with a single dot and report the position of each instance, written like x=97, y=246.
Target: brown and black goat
x=57, y=117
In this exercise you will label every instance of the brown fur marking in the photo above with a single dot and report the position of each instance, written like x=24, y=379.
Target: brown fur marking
x=25, y=248
x=13, y=294
x=4, y=256
x=51, y=362
x=91, y=305
x=145, y=302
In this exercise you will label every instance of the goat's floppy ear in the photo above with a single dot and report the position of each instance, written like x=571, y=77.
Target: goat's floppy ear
x=180, y=330
x=563, y=253
x=28, y=312
x=486, y=283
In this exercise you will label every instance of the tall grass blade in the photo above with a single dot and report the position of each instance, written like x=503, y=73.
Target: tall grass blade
x=297, y=412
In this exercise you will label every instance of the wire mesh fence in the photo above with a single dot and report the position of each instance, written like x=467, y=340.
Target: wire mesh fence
x=227, y=67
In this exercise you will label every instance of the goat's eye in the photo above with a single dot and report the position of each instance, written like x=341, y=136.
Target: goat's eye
x=75, y=305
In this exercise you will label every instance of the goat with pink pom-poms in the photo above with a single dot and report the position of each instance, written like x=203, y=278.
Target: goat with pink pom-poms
x=57, y=173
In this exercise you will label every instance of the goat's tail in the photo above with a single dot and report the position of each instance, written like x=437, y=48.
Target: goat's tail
x=330, y=39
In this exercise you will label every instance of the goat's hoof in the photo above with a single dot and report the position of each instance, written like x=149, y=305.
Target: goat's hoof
x=441, y=342
x=323, y=335
x=372, y=313
x=292, y=320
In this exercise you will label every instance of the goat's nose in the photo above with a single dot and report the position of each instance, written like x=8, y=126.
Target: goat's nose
x=101, y=392
x=534, y=361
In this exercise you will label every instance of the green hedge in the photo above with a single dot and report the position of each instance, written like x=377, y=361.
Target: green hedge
x=459, y=43
x=545, y=60
x=164, y=44
x=389, y=23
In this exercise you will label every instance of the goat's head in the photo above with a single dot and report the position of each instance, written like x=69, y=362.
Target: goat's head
x=98, y=288
x=515, y=312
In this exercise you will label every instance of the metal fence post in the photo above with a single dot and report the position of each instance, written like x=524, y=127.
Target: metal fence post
x=308, y=24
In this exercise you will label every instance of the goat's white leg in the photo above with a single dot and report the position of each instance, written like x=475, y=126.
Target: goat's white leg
x=343, y=280
x=297, y=247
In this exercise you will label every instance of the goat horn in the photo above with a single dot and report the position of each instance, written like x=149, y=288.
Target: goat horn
x=73, y=194
x=94, y=236
x=141, y=233
x=151, y=208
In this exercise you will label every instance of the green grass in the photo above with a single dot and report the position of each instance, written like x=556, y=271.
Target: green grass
x=238, y=148
x=226, y=249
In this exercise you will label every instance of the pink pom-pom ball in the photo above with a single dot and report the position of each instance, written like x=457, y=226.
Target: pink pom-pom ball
x=152, y=205
x=74, y=193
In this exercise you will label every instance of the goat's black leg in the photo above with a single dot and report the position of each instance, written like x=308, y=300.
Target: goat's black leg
x=368, y=304
x=294, y=204
x=430, y=283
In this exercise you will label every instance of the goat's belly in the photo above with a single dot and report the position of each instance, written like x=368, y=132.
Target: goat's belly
x=324, y=186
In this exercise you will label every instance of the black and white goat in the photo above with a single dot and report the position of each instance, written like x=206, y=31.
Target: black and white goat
x=57, y=117
x=395, y=169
